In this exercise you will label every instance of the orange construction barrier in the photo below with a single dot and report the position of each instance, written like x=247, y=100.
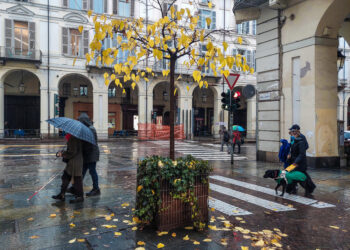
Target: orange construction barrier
x=151, y=131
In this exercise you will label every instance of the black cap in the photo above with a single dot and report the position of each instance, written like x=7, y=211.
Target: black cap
x=295, y=127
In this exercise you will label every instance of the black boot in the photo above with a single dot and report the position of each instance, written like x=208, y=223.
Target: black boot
x=71, y=190
x=77, y=200
x=60, y=197
x=94, y=192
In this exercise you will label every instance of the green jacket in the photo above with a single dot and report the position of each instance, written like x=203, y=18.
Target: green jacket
x=292, y=176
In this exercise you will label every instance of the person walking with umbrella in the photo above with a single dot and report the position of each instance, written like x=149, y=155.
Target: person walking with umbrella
x=73, y=156
x=237, y=138
x=91, y=155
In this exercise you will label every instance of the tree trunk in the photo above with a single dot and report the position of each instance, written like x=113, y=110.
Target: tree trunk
x=172, y=108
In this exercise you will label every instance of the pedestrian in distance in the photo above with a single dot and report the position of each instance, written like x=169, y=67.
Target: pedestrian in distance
x=91, y=155
x=225, y=139
x=73, y=157
x=236, y=141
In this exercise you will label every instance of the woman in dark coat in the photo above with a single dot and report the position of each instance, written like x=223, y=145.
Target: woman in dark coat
x=73, y=156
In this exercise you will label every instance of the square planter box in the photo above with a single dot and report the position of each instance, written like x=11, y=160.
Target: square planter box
x=174, y=213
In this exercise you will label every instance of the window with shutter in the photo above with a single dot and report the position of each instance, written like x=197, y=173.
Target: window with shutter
x=249, y=58
x=254, y=27
x=115, y=6
x=76, y=4
x=31, y=36
x=85, y=4
x=203, y=15
x=8, y=33
x=86, y=42
x=132, y=8
x=92, y=5
x=124, y=8
x=64, y=40
x=213, y=20
x=65, y=3
x=105, y=5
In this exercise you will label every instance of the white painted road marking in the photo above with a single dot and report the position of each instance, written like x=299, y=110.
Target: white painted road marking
x=296, y=198
x=250, y=198
x=226, y=208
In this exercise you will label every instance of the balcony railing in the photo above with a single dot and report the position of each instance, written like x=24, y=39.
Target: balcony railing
x=15, y=54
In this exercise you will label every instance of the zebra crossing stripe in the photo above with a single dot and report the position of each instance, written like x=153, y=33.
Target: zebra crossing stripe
x=295, y=198
x=226, y=208
x=250, y=198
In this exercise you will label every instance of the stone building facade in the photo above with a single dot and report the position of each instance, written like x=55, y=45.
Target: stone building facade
x=38, y=80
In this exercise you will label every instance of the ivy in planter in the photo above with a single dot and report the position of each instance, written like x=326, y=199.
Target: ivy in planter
x=180, y=174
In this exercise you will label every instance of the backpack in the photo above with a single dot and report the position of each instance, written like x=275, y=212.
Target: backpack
x=226, y=136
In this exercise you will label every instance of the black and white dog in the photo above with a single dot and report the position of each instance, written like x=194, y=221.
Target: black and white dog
x=288, y=180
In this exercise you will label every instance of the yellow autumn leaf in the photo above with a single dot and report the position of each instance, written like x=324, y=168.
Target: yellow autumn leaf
x=160, y=245
x=105, y=75
x=244, y=248
x=141, y=243
x=140, y=248
x=334, y=227
x=80, y=28
x=207, y=240
x=189, y=228
x=108, y=218
x=208, y=21
x=186, y=237
x=81, y=240
x=162, y=233
x=117, y=233
x=179, y=77
x=173, y=235
x=196, y=242
x=34, y=237
x=210, y=5
x=74, y=60
x=72, y=225
x=93, y=229
x=134, y=228
x=109, y=226
x=86, y=233
x=30, y=219
x=89, y=13
x=52, y=216
x=165, y=72
x=146, y=79
x=133, y=85
x=239, y=40
x=225, y=45
x=188, y=88
x=251, y=70
x=72, y=241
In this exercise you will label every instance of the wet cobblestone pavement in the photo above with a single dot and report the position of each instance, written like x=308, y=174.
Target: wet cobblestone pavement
x=239, y=196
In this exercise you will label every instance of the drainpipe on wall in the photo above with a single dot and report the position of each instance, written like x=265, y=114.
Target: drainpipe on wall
x=280, y=53
x=147, y=82
x=48, y=65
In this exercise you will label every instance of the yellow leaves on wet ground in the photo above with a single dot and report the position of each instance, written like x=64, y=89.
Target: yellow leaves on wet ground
x=52, y=216
x=30, y=219
x=34, y=237
x=189, y=228
x=223, y=242
x=134, y=228
x=334, y=227
x=109, y=226
x=141, y=243
x=117, y=234
x=72, y=241
x=244, y=248
x=160, y=245
x=162, y=233
x=140, y=248
x=173, y=235
x=72, y=225
x=93, y=229
x=196, y=242
x=126, y=204
x=186, y=237
x=207, y=240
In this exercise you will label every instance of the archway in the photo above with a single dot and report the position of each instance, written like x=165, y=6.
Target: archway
x=22, y=104
x=203, y=111
x=161, y=104
x=122, y=109
x=75, y=96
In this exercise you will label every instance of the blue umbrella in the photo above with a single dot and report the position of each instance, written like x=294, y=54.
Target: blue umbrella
x=73, y=127
x=237, y=127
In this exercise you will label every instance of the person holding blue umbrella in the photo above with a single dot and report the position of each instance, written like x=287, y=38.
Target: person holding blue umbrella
x=237, y=138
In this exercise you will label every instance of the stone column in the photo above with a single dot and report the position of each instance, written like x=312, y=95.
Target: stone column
x=100, y=111
x=2, y=109
x=44, y=113
x=251, y=117
x=217, y=112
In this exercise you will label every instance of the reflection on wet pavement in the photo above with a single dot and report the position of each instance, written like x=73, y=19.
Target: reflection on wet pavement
x=239, y=196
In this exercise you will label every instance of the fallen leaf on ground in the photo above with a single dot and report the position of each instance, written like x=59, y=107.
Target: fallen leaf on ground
x=238, y=218
x=189, y=228
x=334, y=227
x=244, y=248
x=81, y=240
x=126, y=221
x=139, y=248
x=245, y=231
x=134, y=228
x=76, y=212
x=235, y=211
x=30, y=219
x=267, y=212
x=86, y=233
x=260, y=243
x=126, y=204
x=93, y=228
x=108, y=218
x=242, y=221
x=34, y=237
x=160, y=245
x=117, y=233
x=212, y=227
x=212, y=209
x=196, y=242
x=141, y=243
x=221, y=218
x=207, y=240
x=162, y=233
x=115, y=219
x=173, y=234
x=109, y=226
x=72, y=225
x=223, y=242
x=186, y=237
x=52, y=215
x=72, y=241
x=246, y=237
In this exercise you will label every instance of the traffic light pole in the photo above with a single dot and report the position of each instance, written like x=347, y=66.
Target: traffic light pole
x=230, y=127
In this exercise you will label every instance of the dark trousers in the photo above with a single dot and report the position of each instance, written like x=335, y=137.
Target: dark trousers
x=91, y=166
x=239, y=147
x=78, y=184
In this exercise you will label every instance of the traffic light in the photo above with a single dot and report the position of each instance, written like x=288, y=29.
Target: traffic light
x=225, y=100
x=236, y=100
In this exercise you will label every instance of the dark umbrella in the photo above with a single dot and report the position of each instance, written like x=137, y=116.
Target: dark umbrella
x=73, y=127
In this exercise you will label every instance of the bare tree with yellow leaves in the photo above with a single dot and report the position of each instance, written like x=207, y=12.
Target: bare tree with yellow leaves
x=176, y=36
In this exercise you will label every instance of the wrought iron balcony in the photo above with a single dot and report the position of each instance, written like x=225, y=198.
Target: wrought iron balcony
x=16, y=54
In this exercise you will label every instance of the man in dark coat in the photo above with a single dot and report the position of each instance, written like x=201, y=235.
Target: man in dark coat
x=91, y=154
x=296, y=129
x=298, y=158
